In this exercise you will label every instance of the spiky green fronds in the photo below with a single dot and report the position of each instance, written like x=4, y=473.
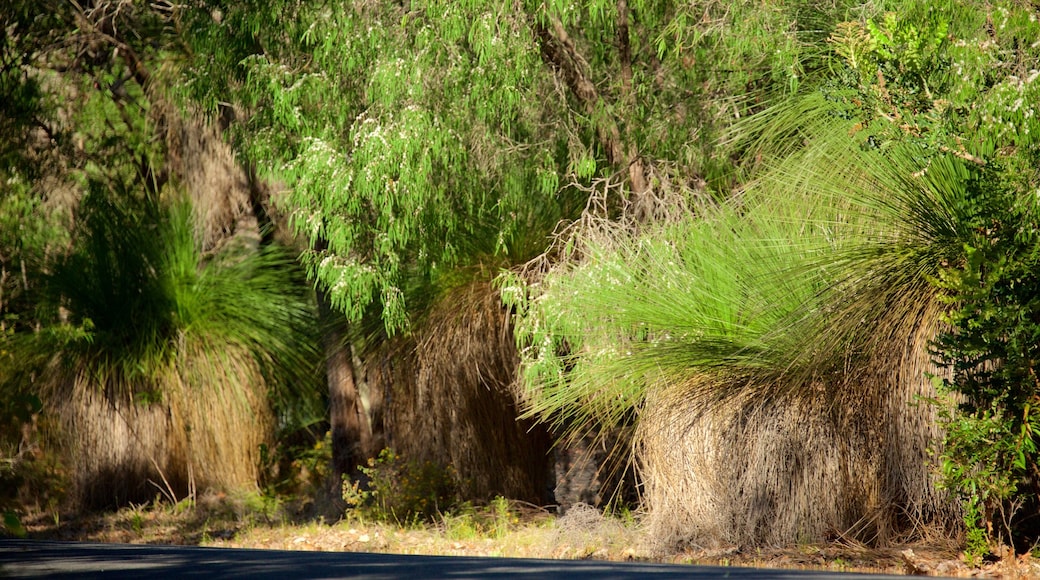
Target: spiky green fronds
x=854, y=201
x=142, y=319
x=786, y=281
x=137, y=286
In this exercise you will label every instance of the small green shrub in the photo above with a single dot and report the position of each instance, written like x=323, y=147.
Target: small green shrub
x=976, y=544
x=992, y=347
x=402, y=491
x=462, y=523
x=467, y=521
x=502, y=517
x=13, y=525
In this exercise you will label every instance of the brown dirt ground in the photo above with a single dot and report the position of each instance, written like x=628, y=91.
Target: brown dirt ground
x=531, y=533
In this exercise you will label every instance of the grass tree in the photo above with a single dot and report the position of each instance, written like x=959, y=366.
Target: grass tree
x=156, y=348
x=162, y=364
x=420, y=142
x=771, y=349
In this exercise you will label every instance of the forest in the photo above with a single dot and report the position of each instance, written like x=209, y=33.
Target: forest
x=760, y=272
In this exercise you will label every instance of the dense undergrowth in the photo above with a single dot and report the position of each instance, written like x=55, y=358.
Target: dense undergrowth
x=788, y=258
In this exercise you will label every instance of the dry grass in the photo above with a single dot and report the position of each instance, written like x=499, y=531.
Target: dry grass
x=207, y=169
x=453, y=400
x=843, y=458
x=247, y=522
x=113, y=443
x=204, y=432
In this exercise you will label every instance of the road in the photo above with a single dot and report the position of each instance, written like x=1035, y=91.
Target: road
x=31, y=558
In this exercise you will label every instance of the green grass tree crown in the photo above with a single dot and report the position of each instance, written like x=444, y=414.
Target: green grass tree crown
x=907, y=175
x=417, y=138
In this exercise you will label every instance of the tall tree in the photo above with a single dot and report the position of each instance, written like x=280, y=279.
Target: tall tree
x=405, y=130
x=419, y=137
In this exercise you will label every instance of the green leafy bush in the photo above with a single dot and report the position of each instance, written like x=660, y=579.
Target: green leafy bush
x=956, y=78
x=399, y=490
x=992, y=346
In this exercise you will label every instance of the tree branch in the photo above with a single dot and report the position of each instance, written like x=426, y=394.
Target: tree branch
x=625, y=53
x=636, y=169
x=559, y=51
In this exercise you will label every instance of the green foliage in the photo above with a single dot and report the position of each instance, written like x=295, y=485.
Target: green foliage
x=967, y=87
x=990, y=456
x=27, y=28
x=13, y=525
x=910, y=48
x=466, y=521
x=399, y=490
x=137, y=291
x=103, y=277
x=385, y=167
x=959, y=78
x=823, y=253
x=942, y=80
x=422, y=141
x=942, y=77
x=419, y=138
x=137, y=298
x=976, y=544
x=656, y=309
x=115, y=275
x=72, y=113
x=853, y=195
x=866, y=198
x=31, y=232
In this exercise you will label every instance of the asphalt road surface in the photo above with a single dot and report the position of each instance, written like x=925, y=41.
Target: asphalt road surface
x=30, y=558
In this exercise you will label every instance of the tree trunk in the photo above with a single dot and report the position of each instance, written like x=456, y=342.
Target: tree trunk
x=350, y=425
x=561, y=53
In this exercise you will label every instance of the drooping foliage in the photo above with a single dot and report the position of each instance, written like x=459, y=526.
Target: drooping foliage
x=423, y=136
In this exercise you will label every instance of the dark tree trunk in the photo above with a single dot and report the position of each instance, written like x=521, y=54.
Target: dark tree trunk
x=350, y=425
